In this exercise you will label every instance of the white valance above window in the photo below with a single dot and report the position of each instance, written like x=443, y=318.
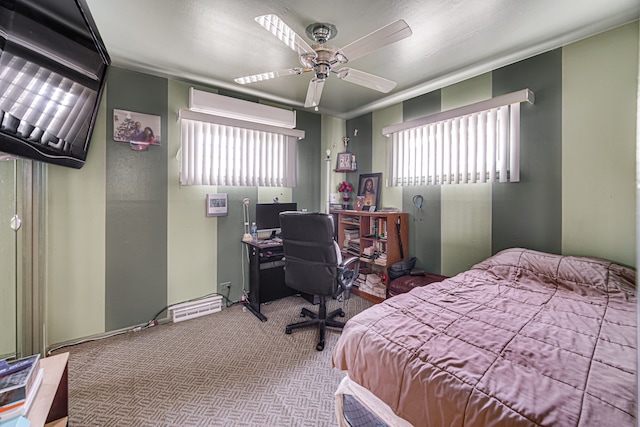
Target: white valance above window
x=223, y=151
x=473, y=144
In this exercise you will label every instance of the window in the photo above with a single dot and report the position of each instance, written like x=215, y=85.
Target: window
x=219, y=150
x=473, y=144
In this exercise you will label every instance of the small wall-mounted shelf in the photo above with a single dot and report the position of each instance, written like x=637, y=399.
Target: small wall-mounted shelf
x=345, y=170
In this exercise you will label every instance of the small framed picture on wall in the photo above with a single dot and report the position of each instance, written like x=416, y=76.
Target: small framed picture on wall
x=129, y=126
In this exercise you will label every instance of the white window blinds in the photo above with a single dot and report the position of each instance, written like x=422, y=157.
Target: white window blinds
x=223, y=151
x=473, y=144
x=43, y=106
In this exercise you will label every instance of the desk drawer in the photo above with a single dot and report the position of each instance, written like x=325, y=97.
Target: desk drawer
x=271, y=264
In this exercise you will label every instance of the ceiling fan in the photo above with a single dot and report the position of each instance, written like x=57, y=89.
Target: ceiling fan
x=321, y=58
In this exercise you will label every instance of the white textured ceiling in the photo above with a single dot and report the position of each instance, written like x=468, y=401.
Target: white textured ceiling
x=213, y=41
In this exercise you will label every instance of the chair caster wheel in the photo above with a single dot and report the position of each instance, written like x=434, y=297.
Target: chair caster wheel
x=287, y=331
x=301, y=314
x=320, y=346
x=342, y=314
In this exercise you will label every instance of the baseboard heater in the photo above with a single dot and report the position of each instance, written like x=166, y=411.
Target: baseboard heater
x=192, y=309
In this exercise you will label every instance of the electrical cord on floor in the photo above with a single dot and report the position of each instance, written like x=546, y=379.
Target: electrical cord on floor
x=85, y=340
x=151, y=323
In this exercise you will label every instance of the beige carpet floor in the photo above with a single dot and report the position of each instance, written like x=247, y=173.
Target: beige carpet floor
x=223, y=369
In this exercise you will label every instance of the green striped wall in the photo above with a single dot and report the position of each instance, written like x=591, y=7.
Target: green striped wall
x=529, y=213
x=332, y=131
x=192, y=238
x=136, y=206
x=424, y=224
x=125, y=239
x=465, y=209
x=599, y=118
x=76, y=244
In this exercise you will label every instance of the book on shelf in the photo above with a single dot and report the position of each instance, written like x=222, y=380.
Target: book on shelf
x=351, y=241
x=18, y=389
x=378, y=228
x=381, y=260
x=355, y=220
x=373, y=285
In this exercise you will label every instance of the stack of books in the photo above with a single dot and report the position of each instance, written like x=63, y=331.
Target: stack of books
x=351, y=241
x=373, y=285
x=362, y=276
x=19, y=383
x=368, y=254
x=381, y=259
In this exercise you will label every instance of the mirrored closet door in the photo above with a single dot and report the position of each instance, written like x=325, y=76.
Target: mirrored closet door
x=9, y=220
x=22, y=231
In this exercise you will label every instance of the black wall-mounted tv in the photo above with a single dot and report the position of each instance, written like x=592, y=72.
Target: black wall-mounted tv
x=53, y=67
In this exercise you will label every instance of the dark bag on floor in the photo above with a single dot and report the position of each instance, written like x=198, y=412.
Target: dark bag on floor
x=401, y=268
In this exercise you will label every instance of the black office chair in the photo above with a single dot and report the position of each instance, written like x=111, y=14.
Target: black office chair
x=313, y=264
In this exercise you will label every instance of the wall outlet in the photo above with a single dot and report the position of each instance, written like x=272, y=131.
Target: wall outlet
x=224, y=288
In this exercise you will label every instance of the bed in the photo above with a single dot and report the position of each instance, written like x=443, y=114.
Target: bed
x=523, y=338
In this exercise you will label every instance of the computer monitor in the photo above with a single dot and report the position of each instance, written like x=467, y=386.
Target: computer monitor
x=268, y=216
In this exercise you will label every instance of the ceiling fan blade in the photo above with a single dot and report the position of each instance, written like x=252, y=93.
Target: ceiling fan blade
x=314, y=93
x=271, y=75
x=365, y=79
x=391, y=33
x=285, y=34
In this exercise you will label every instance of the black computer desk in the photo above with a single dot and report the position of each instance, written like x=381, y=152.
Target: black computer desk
x=266, y=275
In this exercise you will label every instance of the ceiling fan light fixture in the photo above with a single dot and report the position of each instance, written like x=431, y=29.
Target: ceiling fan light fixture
x=322, y=71
x=321, y=32
x=341, y=58
x=307, y=60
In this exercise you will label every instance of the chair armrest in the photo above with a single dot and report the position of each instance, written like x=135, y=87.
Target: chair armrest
x=347, y=276
x=348, y=261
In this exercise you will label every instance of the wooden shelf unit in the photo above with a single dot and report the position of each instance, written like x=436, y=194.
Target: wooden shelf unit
x=390, y=243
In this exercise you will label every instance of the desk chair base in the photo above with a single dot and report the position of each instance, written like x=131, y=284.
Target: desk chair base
x=321, y=320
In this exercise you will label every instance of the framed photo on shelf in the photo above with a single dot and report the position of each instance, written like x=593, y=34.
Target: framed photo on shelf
x=359, y=203
x=369, y=186
x=344, y=161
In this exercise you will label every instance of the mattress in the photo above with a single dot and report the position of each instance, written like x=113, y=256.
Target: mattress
x=523, y=338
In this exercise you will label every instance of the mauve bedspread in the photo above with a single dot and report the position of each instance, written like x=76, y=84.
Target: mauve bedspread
x=523, y=338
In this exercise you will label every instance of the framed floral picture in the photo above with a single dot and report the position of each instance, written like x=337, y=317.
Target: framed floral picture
x=344, y=161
